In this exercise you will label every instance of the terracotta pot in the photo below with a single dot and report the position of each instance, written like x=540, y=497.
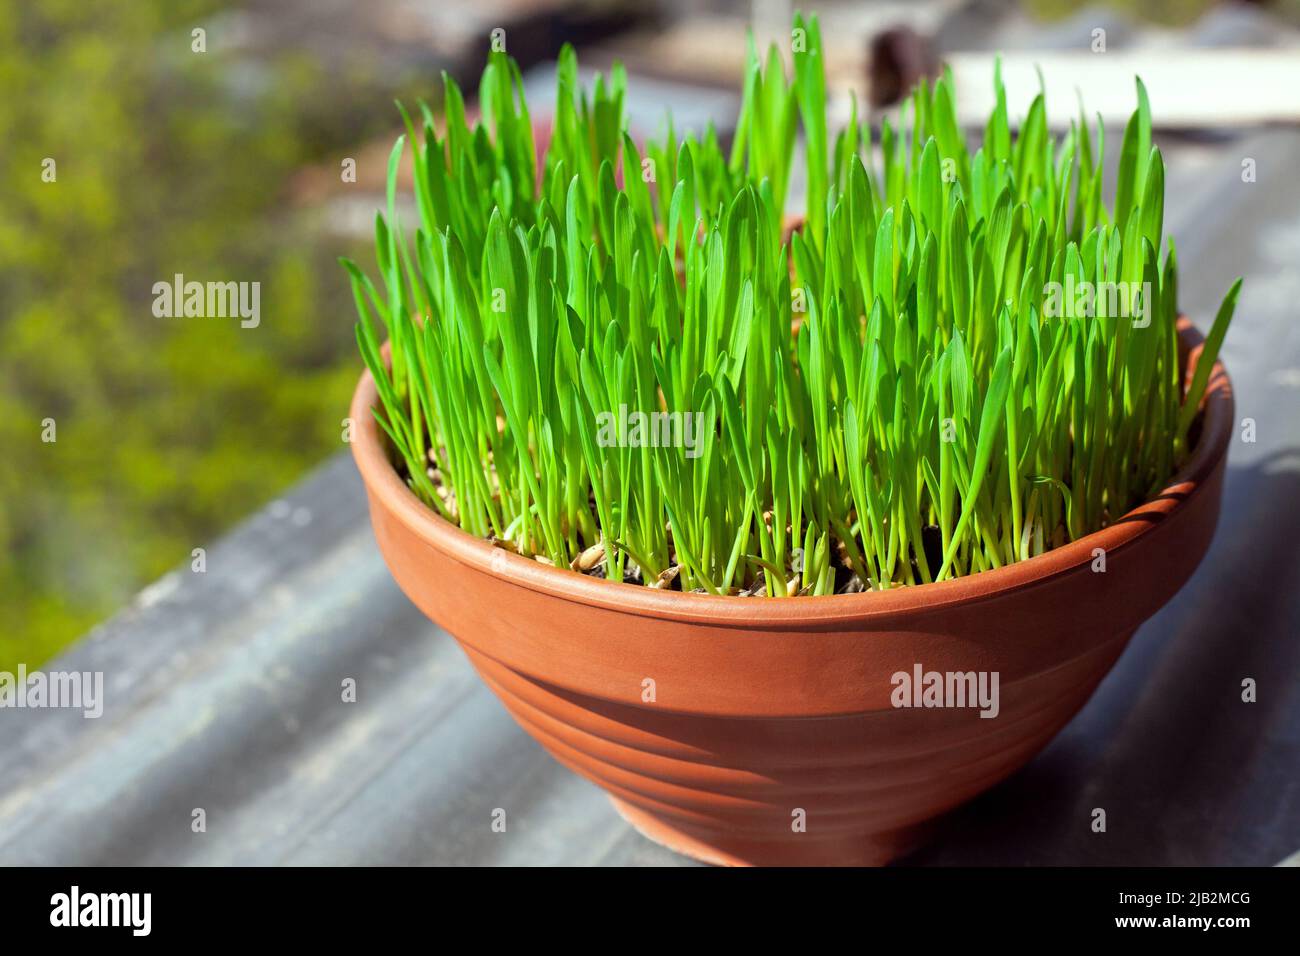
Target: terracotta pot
x=766, y=711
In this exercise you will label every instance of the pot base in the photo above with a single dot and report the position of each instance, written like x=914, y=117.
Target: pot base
x=721, y=848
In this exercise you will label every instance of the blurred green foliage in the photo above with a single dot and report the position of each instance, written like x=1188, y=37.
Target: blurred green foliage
x=1165, y=12
x=168, y=430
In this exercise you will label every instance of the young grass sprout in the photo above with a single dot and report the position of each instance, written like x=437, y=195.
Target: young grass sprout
x=956, y=361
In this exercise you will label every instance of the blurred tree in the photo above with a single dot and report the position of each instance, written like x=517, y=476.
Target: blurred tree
x=168, y=429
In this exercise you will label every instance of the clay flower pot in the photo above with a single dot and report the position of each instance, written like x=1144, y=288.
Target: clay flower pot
x=761, y=730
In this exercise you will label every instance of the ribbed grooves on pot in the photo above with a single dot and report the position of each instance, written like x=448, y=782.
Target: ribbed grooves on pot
x=705, y=811
x=841, y=770
x=850, y=788
x=892, y=804
x=859, y=745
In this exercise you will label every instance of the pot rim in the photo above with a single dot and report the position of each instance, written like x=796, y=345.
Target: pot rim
x=774, y=614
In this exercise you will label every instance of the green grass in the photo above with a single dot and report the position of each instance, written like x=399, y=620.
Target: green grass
x=943, y=408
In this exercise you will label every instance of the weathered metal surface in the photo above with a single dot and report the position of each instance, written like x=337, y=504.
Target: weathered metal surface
x=224, y=689
x=224, y=692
